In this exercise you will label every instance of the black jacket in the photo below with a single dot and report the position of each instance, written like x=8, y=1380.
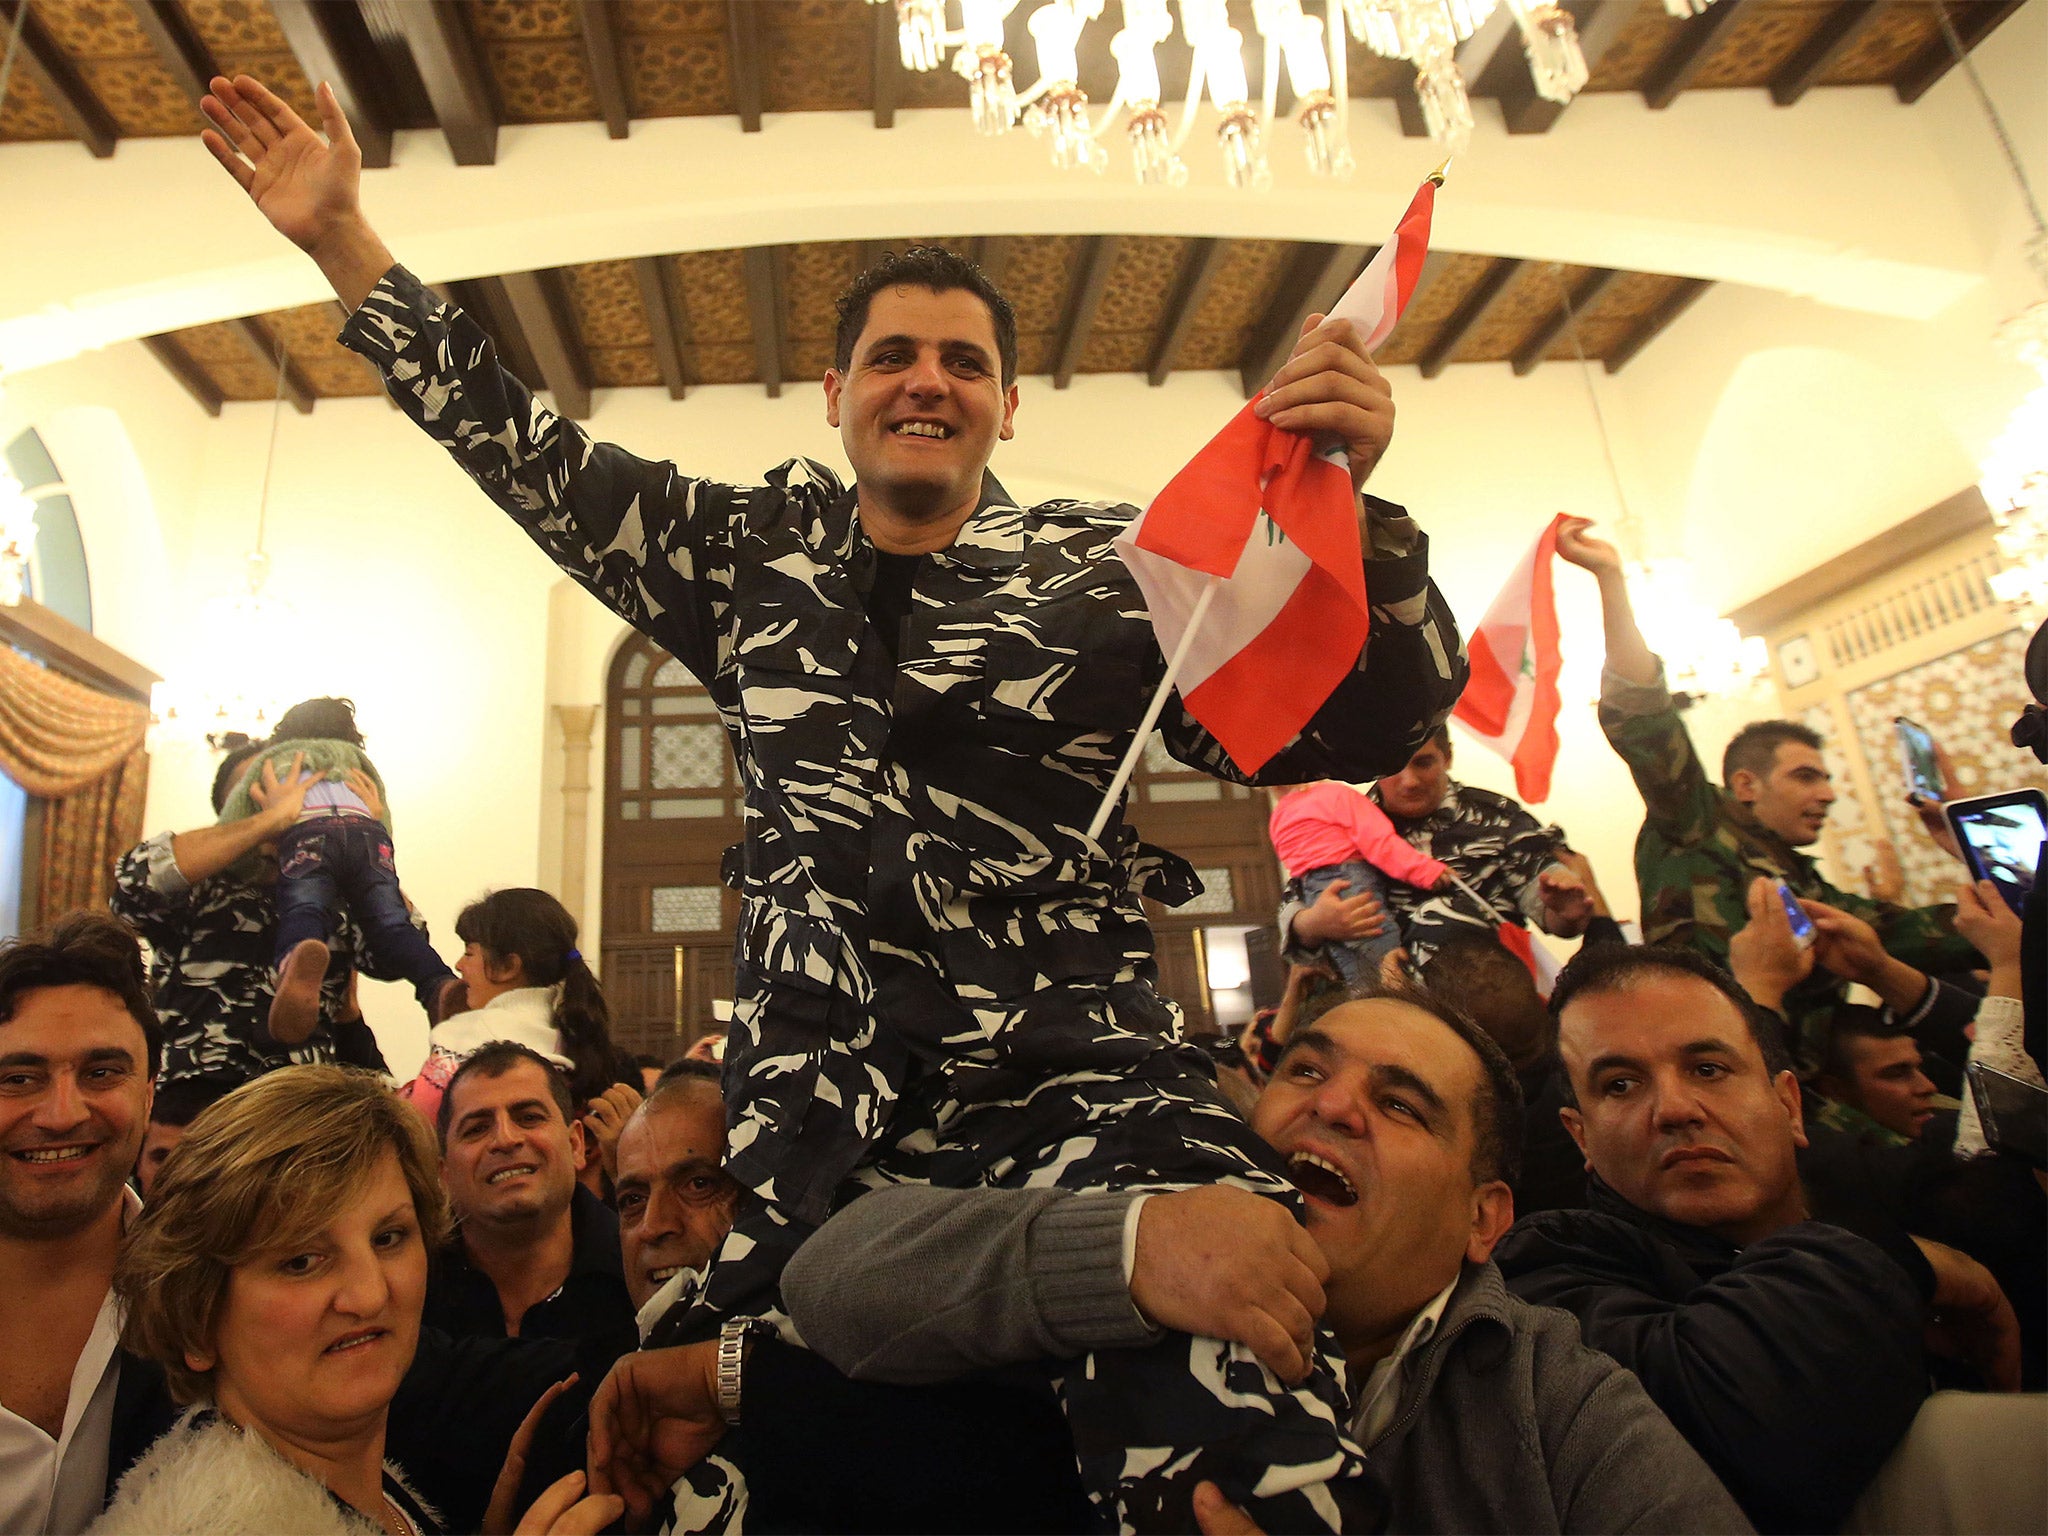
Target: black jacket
x=1792, y=1365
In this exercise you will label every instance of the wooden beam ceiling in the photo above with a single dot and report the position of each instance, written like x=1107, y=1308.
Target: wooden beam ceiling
x=1679, y=62
x=1973, y=23
x=1197, y=272
x=307, y=29
x=992, y=254
x=764, y=310
x=743, y=21
x=664, y=323
x=1682, y=298
x=188, y=373
x=1835, y=36
x=543, y=312
x=178, y=48
x=887, y=65
x=452, y=71
x=1600, y=24
x=42, y=61
x=275, y=362
x=1098, y=255
x=1317, y=278
x=601, y=48
x=1582, y=297
x=1468, y=314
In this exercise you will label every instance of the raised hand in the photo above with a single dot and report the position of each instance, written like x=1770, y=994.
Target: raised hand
x=304, y=184
x=1764, y=956
x=1330, y=386
x=1577, y=546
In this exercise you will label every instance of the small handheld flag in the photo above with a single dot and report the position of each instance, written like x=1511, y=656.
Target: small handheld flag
x=1511, y=702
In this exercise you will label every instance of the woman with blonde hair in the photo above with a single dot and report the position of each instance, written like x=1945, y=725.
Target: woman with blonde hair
x=277, y=1276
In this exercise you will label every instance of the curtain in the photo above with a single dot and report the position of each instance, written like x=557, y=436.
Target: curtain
x=79, y=752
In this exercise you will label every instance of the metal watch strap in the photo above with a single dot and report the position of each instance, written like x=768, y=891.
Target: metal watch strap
x=732, y=1355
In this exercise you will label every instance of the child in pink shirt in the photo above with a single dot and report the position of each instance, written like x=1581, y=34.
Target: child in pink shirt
x=1326, y=832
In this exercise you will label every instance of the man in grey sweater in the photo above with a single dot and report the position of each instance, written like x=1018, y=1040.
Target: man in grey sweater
x=1398, y=1120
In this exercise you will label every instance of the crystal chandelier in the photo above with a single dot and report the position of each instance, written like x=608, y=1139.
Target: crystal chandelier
x=2014, y=474
x=244, y=661
x=17, y=537
x=1308, y=52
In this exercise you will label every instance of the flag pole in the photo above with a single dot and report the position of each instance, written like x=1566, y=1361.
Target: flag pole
x=1130, y=762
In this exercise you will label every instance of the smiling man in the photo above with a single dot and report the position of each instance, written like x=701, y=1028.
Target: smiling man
x=1790, y=1352
x=940, y=974
x=534, y=1253
x=675, y=1198
x=78, y=1048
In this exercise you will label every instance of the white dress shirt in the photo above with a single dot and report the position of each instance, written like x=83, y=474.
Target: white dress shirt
x=1380, y=1397
x=56, y=1487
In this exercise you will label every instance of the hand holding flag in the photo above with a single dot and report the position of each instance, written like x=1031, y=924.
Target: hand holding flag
x=1259, y=630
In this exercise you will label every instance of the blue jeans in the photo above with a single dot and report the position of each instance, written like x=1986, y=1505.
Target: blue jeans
x=1356, y=960
x=326, y=860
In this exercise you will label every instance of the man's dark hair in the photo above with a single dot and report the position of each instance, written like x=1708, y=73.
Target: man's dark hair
x=1497, y=1108
x=646, y=1059
x=924, y=266
x=1755, y=747
x=676, y=1071
x=319, y=720
x=1440, y=738
x=495, y=1059
x=181, y=1100
x=1848, y=1023
x=1481, y=978
x=1599, y=969
x=230, y=769
x=88, y=949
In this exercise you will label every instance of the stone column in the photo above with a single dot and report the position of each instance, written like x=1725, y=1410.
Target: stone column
x=576, y=722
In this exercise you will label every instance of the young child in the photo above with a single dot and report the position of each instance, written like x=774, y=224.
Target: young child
x=1326, y=832
x=526, y=981
x=339, y=850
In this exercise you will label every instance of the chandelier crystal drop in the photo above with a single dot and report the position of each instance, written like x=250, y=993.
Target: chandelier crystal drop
x=1294, y=45
x=17, y=537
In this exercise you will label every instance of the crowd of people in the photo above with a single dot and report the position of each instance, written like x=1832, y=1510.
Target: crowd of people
x=955, y=1229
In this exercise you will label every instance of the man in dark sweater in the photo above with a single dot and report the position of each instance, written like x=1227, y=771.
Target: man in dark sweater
x=1791, y=1353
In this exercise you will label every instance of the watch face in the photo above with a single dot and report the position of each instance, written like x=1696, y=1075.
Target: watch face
x=1797, y=663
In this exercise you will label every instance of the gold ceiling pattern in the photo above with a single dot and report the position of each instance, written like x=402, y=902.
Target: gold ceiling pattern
x=1254, y=287
x=678, y=57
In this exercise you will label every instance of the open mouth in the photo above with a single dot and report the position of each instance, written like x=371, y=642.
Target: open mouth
x=927, y=429
x=516, y=1171
x=1320, y=1179
x=350, y=1343
x=43, y=1156
x=665, y=1274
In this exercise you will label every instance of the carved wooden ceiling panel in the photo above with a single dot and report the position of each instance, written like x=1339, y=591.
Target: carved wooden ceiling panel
x=1641, y=44
x=1622, y=306
x=817, y=56
x=533, y=51
x=1892, y=40
x=1531, y=297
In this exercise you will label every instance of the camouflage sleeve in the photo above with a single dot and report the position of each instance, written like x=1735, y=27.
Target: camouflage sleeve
x=1407, y=678
x=149, y=890
x=642, y=538
x=1923, y=937
x=1643, y=726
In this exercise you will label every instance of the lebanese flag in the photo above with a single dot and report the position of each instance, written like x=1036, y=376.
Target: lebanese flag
x=1542, y=965
x=1511, y=702
x=1274, y=521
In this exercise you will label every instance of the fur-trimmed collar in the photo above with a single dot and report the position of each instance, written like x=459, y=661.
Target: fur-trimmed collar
x=205, y=1477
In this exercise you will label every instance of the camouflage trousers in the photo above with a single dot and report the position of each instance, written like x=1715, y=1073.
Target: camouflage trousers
x=1149, y=1424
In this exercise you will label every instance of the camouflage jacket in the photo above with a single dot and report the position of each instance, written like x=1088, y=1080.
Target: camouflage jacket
x=918, y=890
x=211, y=950
x=1490, y=842
x=1700, y=848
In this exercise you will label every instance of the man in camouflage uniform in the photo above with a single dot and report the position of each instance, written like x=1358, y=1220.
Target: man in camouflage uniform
x=1702, y=845
x=1491, y=843
x=212, y=937
x=940, y=975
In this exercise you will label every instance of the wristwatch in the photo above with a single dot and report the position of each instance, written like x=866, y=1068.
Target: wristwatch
x=733, y=1335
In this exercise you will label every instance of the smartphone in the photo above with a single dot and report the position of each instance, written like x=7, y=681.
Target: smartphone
x=2013, y=1112
x=1916, y=753
x=2001, y=836
x=1795, y=914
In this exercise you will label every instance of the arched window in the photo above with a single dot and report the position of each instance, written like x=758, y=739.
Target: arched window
x=673, y=805
x=57, y=575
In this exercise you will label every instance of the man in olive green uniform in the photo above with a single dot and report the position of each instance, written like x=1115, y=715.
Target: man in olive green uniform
x=1701, y=845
